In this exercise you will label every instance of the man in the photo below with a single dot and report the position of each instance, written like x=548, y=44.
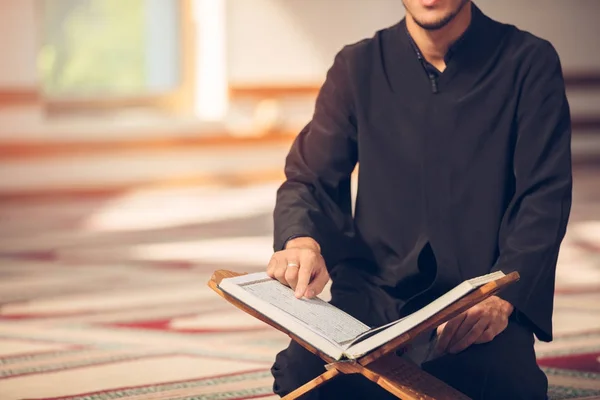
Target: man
x=461, y=129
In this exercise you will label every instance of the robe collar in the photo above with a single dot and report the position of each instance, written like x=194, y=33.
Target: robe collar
x=474, y=43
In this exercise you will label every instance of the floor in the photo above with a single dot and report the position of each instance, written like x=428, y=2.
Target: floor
x=104, y=296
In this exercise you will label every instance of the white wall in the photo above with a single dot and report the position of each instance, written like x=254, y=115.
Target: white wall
x=18, y=44
x=294, y=41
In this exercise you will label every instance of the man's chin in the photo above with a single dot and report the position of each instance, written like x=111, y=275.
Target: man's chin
x=433, y=20
x=433, y=24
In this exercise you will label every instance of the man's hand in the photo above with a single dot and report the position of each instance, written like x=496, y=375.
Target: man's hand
x=300, y=266
x=479, y=324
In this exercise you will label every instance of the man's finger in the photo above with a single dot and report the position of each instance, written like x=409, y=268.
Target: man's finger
x=271, y=266
x=280, y=266
x=473, y=316
x=309, y=266
x=494, y=329
x=448, y=332
x=318, y=283
x=487, y=336
x=441, y=328
x=304, y=276
x=471, y=336
x=291, y=272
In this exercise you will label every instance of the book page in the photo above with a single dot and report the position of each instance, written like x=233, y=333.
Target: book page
x=474, y=282
x=403, y=325
x=372, y=332
x=482, y=280
x=411, y=320
x=317, y=314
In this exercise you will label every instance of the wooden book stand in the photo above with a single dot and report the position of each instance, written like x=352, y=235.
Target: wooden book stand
x=398, y=376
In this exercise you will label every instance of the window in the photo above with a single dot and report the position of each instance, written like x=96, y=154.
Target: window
x=111, y=49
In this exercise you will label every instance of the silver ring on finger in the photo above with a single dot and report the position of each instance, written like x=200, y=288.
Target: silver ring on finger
x=292, y=265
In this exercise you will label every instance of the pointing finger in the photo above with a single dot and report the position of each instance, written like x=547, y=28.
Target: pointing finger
x=304, y=276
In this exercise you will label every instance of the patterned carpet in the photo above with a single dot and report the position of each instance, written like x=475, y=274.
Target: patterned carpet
x=106, y=297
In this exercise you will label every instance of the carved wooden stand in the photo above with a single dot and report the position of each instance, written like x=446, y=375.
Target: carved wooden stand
x=396, y=375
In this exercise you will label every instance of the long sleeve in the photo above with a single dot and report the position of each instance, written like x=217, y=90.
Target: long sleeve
x=315, y=198
x=535, y=222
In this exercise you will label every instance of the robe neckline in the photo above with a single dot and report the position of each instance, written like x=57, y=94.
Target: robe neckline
x=467, y=52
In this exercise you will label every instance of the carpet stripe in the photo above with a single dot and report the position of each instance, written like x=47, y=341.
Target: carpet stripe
x=184, y=384
x=84, y=363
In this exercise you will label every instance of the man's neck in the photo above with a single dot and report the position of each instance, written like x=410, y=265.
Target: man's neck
x=435, y=44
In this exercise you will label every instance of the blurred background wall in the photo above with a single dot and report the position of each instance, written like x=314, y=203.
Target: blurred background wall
x=85, y=78
x=297, y=38
x=18, y=32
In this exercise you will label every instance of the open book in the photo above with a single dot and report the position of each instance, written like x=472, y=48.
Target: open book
x=327, y=328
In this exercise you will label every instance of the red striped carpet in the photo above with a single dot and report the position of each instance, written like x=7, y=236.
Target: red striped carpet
x=106, y=297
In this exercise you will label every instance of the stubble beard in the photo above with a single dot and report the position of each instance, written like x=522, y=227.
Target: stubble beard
x=436, y=25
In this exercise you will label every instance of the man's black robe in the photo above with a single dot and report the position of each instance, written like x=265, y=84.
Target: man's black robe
x=456, y=182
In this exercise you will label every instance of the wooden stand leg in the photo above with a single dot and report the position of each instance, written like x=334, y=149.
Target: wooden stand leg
x=409, y=382
x=398, y=376
x=310, y=385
